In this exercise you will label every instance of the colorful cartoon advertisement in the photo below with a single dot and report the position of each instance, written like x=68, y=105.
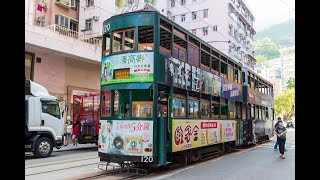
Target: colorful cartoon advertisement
x=126, y=137
x=188, y=134
x=128, y=67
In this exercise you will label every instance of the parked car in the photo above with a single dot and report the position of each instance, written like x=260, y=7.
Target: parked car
x=290, y=124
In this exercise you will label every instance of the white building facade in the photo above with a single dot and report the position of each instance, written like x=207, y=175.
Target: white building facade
x=225, y=24
x=288, y=64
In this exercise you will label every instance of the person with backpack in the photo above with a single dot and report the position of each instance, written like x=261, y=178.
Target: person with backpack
x=281, y=132
x=276, y=144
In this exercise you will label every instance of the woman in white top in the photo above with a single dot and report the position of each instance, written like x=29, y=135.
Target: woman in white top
x=69, y=133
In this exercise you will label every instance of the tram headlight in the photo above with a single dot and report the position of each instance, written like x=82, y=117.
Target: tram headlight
x=118, y=142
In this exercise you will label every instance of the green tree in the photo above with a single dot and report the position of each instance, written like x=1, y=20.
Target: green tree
x=267, y=48
x=291, y=83
x=285, y=102
x=262, y=59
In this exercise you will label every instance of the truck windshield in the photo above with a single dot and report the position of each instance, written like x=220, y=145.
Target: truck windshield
x=51, y=107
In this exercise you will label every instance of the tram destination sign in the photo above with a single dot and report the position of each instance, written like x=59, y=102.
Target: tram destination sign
x=136, y=7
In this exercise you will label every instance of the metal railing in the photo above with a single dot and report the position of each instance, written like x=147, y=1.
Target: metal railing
x=74, y=34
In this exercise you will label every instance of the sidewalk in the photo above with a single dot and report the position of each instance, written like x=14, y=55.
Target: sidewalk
x=70, y=147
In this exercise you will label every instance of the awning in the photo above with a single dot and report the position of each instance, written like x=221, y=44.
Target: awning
x=126, y=86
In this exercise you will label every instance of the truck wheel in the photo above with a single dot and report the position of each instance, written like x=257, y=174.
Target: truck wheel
x=43, y=148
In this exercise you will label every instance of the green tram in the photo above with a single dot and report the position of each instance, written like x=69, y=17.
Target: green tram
x=168, y=96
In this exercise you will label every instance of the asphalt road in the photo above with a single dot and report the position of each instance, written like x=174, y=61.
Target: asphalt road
x=258, y=163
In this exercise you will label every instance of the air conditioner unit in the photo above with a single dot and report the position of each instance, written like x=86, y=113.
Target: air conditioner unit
x=96, y=18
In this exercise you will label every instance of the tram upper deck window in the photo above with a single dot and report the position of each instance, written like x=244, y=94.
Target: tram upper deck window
x=106, y=44
x=142, y=109
x=224, y=70
x=123, y=40
x=146, y=40
x=230, y=73
x=215, y=65
x=193, y=52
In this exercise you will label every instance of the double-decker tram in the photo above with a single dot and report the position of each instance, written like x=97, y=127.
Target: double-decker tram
x=168, y=96
x=258, y=104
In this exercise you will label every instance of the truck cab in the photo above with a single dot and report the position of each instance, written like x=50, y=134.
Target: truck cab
x=44, y=122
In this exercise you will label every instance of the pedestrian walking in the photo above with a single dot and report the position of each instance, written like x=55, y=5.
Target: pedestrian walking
x=69, y=133
x=276, y=144
x=75, y=133
x=281, y=131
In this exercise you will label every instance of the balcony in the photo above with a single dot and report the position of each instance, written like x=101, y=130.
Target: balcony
x=65, y=3
x=59, y=39
x=240, y=13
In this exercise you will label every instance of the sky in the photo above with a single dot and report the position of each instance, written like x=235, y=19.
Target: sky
x=270, y=12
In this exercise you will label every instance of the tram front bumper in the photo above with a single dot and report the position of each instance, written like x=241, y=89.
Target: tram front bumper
x=116, y=158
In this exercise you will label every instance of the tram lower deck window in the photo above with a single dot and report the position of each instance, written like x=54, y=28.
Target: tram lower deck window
x=142, y=109
x=179, y=107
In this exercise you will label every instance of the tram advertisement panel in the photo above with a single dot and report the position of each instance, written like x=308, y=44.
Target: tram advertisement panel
x=128, y=67
x=216, y=85
x=188, y=134
x=126, y=137
x=231, y=90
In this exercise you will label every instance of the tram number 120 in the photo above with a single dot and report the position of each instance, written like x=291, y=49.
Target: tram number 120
x=146, y=159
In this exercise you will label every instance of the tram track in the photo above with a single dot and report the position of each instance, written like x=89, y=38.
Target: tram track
x=70, y=165
x=59, y=162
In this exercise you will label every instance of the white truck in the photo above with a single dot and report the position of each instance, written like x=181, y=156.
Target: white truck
x=44, y=124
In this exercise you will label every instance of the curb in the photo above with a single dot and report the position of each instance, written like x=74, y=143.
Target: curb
x=74, y=149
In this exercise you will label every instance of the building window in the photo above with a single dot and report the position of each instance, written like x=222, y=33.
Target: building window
x=74, y=25
x=40, y=21
x=89, y=24
x=194, y=0
x=183, y=2
x=194, y=15
x=205, y=31
x=194, y=31
x=90, y=3
x=183, y=17
x=61, y=20
x=205, y=13
x=28, y=65
x=230, y=29
x=173, y=4
x=215, y=28
x=173, y=18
